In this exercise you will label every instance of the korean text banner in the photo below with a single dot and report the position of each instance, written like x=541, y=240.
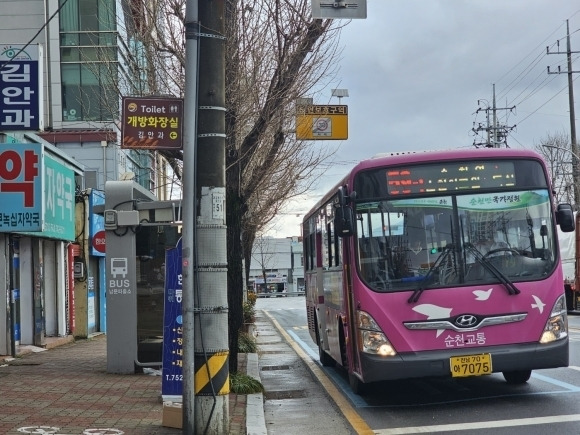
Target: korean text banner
x=172, y=371
x=21, y=186
x=20, y=88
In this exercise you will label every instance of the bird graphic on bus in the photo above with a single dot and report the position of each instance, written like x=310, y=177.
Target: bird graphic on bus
x=482, y=295
x=539, y=304
x=433, y=312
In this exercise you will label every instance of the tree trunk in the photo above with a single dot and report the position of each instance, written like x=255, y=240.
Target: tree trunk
x=235, y=268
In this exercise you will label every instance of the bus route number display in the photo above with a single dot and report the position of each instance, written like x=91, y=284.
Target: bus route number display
x=442, y=177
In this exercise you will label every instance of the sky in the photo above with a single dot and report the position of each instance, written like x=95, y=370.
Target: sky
x=416, y=69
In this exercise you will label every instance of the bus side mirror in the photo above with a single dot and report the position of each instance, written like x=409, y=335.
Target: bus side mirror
x=565, y=218
x=344, y=221
x=343, y=216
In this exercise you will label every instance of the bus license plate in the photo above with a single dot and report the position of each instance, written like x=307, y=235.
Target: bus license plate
x=470, y=365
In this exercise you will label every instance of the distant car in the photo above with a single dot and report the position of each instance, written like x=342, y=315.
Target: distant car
x=264, y=292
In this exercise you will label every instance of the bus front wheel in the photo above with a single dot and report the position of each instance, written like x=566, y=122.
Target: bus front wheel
x=517, y=377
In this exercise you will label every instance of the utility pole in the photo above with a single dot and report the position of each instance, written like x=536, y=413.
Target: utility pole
x=573, y=144
x=204, y=268
x=496, y=134
x=210, y=257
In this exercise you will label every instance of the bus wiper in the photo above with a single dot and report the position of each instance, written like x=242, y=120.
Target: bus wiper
x=490, y=267
x=443, y=257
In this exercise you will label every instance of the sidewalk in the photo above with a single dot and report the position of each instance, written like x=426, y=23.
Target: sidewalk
x=67, y=390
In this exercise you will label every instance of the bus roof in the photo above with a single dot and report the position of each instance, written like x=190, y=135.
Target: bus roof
x=413, y=157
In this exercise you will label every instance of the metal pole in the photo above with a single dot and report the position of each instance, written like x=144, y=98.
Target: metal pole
x=574, y=145
x=189, y=213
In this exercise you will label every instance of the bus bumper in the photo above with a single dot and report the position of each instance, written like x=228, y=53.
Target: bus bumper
x=529, y=356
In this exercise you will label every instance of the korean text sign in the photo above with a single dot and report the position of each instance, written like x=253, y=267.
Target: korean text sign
x=20, y=88
x=59, y=200
x=21, y=186
x=152, y=123
x=172, y=370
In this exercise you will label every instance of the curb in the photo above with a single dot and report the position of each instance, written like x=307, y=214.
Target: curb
x=255, y=421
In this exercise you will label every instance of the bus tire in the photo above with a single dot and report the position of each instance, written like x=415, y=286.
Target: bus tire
x=356, y=385
x=517, y=377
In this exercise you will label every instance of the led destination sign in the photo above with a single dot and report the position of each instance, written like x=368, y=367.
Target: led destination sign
x=442, y=177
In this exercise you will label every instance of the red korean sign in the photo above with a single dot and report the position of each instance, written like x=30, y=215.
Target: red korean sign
x=152, y=123
x=99, y=241
x=21, y=187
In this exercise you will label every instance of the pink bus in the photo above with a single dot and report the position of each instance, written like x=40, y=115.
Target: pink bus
x=442, y=263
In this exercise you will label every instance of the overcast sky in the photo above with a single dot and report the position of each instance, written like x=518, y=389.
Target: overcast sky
x=415, y=70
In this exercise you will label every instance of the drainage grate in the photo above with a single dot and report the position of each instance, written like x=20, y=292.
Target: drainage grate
x=23, y=363
x=270, y=352
x=281, y=395
x=269, y=368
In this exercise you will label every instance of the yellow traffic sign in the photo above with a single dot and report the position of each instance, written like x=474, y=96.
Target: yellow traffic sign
x=316, y=122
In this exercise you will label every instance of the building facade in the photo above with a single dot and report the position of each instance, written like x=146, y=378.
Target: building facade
x=277, y=265
x=63, y=66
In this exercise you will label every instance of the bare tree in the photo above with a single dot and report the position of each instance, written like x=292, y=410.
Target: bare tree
x=263, y=256
x=556, y=151
x=276, y=53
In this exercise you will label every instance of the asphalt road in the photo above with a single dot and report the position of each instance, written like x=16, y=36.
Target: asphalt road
x=550, y=401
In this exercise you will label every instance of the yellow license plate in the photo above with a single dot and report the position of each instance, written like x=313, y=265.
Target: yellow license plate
x=470, y=365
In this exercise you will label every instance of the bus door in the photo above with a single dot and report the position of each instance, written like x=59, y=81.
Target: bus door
x=321, y=311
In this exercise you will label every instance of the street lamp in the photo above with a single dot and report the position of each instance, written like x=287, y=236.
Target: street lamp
x=340, y=93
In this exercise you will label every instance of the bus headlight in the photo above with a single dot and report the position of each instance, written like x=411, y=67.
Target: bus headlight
x=372, y=339
x=557, y=325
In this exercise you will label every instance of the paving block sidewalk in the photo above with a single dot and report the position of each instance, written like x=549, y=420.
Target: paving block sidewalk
x=67, y=390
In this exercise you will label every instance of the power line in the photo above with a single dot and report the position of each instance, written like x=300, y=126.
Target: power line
x=35, y=35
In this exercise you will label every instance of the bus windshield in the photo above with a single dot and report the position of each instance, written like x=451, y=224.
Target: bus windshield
x=455, y=239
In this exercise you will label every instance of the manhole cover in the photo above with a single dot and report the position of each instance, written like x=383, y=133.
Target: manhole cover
x=281, y=395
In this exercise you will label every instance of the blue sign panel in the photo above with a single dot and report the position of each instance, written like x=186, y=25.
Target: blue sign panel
x=19, y=88
x=21, y=187
x=96, y=221
x=172, y=382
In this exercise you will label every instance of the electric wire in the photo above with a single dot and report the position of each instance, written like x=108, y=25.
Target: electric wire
x=35, y=35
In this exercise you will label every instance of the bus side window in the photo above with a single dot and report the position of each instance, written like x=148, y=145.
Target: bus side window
x=337, y=248
x=318, y=249
x=311, y=251
x=329, y=245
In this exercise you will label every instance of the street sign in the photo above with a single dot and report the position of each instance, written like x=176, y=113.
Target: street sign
x=152, y=123
x=315, y=122
x=339, y=9
x=99, y=241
